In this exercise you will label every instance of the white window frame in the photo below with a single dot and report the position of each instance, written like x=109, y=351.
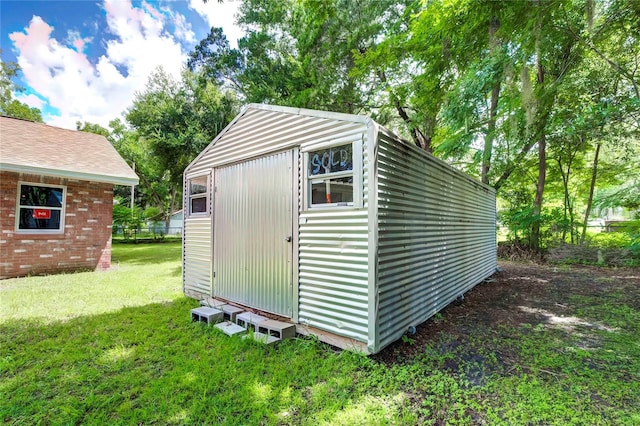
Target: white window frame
x=355, y=172
x=206, y=195
x=60, y=229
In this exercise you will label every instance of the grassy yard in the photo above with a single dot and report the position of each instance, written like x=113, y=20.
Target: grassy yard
x=118, y=347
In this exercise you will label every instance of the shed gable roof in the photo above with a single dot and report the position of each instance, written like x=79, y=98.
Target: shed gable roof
x=37, y=148
x=262, y=128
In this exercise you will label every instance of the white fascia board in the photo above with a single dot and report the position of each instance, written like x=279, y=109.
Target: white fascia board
x=312, y=113
x=66, y=174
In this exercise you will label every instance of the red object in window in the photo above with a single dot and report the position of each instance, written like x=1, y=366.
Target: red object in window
x=41, y=214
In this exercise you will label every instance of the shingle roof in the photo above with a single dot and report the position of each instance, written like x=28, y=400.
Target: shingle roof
x=28, y=147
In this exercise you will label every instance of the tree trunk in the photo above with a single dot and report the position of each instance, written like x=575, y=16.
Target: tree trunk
x=420, y=139
x=491, y=130
x=493, y=108
x=594, y=173
x=542, y=149
x=537, y=203
x=568, y=206
x=513, y=164
x=565, y=186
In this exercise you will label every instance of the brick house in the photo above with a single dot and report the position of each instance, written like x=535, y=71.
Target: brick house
x=56, y=198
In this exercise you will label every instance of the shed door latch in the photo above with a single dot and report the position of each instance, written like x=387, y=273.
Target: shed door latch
x=288, y=239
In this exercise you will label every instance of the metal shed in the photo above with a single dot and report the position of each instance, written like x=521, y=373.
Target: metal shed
x=334, y=223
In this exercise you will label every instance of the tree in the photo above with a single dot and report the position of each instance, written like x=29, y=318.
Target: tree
x=93, y=128
x=536, y=98
x=10, y=106
x=173, y=121
x=301, y=53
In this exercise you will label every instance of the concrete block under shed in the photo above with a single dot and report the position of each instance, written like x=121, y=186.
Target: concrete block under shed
x=206, y=314
x=247, y=319
x=230, y=312
x=279, y=329
x=229, y=328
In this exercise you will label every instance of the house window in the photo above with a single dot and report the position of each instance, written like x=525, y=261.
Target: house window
x=40, y=208
x=330, y=176
x=198, y=195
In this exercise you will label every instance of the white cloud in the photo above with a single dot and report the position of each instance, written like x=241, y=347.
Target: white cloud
x=32, y=100
x=183, y=29
x=220, y=15
x=76, y=40
x=61, y=73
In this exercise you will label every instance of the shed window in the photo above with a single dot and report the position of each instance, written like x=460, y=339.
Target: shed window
x=40, y=208
x=198, y=195
x=330, y=176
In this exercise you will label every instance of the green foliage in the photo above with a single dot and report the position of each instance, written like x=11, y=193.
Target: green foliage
x=152, y=213
x=10, y=106
x=173, y=121
x=126, y=220
x=93, y=128
x=626, y=195
x=299, y=53
x=17, y=109
x=626, y=237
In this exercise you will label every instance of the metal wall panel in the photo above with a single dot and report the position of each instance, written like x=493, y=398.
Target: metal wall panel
x=196, y=254
x=334, y=272
x=253, y=225
x=436, y=236
x=333, y=265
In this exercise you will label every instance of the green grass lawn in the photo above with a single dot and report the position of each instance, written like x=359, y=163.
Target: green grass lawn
x=141, y=274
x=118, y=347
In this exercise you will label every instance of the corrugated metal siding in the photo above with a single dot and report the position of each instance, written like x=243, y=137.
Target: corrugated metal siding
x=253, y=218
x=334, y=267
x=333, y=272
x=436, y=236
x=258, y=132
x=197, y=255
x=333, y=262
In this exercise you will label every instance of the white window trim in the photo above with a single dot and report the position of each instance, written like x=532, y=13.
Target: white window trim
x=356, y=172
x=61, y=209
x=206, y=195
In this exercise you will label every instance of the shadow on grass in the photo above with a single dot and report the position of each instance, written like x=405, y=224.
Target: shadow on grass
x=151, y=364
x=177, y=272
x=485, y=361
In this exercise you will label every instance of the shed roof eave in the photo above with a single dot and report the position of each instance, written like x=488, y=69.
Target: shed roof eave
x=341, y=116
x=67, y=174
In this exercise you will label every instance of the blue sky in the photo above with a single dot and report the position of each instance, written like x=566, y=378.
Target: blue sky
x=83, y=60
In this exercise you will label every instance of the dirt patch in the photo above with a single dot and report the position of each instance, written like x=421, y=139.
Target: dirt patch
x=521, y=296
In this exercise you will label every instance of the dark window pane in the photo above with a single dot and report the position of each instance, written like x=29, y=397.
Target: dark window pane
x=31, y=195
x=331, y=160
x=29, y=219
x=199, y=205
x=198, y=185
x=330, y=191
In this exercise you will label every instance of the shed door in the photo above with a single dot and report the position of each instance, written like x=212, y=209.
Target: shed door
x=253, y=227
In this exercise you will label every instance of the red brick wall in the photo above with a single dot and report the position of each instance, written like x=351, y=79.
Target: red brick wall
x=85, y=243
